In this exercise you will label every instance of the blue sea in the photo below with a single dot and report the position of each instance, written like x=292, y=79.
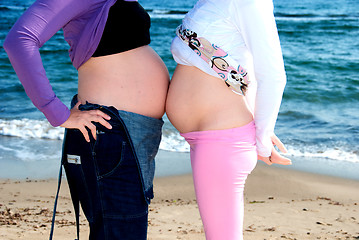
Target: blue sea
x=319, y=115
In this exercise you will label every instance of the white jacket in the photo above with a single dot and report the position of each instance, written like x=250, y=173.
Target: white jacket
x=247, y=31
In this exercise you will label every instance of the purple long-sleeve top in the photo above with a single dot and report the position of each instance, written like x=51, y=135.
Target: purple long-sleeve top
x=82, y=21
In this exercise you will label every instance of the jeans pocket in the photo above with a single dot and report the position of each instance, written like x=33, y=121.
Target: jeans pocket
x=118, y=177
x=108, y=153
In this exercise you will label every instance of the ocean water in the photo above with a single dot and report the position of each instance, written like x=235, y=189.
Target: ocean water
x=318, y=119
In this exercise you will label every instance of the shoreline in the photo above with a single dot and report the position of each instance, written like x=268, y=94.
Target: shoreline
x=279, y=204
x=168, y=163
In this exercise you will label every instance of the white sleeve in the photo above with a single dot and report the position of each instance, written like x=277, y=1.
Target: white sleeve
x=255, y=21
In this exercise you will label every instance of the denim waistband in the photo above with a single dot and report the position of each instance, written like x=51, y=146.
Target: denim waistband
x=145, y=134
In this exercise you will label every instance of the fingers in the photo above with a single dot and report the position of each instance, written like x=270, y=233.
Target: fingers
x=85, y=133
x=92, y=129
x=95, y=116
x=277, y=142
x=275, y=158
x=99, y=116
x=283, y=161
x=100, y=113
x=279, y=159
x=83, y=120
x=84, y=130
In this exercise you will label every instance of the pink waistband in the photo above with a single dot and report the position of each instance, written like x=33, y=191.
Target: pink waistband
x=246, y=133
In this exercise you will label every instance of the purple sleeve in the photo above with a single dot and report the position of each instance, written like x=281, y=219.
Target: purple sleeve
x=37, y=25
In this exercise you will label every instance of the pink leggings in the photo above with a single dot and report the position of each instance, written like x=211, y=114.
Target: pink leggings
x=221, y=161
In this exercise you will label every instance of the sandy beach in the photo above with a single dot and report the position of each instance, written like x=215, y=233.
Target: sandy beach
x=279, y=204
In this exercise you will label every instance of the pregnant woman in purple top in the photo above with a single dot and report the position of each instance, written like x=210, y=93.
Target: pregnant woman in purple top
x=114, y=126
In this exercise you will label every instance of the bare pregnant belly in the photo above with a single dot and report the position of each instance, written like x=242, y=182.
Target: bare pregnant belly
x=135, y=81
x=197, y=101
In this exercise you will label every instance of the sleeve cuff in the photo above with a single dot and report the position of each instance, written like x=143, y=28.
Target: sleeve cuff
x=264, y=147
x=56, y=112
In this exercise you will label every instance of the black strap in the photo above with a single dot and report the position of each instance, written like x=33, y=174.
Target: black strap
x=75, y=202
x=55, y=204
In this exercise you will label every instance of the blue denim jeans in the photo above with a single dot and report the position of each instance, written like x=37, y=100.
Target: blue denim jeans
x=112, y=176
x=145, y=133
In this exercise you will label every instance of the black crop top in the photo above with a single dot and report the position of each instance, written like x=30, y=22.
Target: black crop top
x=127, y=27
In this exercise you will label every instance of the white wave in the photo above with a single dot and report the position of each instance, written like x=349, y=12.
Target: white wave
x=171, y=141
x=28, y=155
x=12, y=7
x=4, y=148
x=174, y=142
x=158, y=15
x=29, y=150
x=28, y=128
x=160, y=11
x=333, y=154
x=313, y=19
x=41, y=129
